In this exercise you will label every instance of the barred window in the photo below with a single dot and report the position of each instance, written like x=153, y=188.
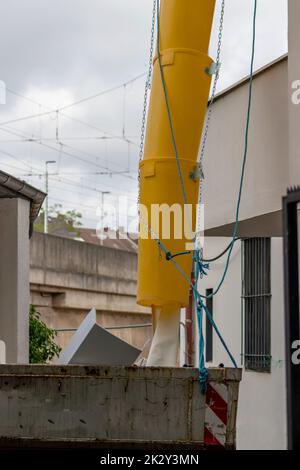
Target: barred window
x=256, y=295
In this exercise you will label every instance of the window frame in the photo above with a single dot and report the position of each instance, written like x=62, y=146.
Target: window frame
x=256, y=304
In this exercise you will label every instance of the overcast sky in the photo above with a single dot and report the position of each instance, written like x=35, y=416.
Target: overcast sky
x=56, y=52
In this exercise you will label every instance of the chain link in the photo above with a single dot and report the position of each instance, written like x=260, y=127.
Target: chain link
x=147, y=88
x=209, y=116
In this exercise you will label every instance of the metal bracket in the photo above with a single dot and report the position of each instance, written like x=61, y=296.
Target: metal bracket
x=197, y=173
x=213, y=69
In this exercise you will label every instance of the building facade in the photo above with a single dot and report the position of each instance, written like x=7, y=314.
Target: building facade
x=249, y=309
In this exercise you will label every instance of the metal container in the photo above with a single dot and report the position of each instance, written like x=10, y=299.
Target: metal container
x=117, y=407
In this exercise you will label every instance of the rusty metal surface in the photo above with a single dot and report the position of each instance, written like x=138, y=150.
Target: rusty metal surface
x=108, y=404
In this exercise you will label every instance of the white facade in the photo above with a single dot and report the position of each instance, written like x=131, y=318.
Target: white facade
x=261, y=415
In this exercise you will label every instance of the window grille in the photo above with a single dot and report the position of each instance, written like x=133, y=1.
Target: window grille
x=256, y=295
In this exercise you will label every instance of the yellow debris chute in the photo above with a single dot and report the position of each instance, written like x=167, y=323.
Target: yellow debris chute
x=185, y=30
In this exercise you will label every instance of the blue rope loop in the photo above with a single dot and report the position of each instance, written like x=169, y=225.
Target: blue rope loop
x=200, y=272
x=203, y=371
x=201, y=267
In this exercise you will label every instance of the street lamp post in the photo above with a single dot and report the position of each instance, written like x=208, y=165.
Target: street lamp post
x=48, y=162
x=103, y=193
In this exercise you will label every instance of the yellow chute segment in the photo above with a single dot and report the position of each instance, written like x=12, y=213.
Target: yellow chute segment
x=185, y=28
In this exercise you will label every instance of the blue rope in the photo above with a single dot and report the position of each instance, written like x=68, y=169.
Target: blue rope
x=203, y=371
x=200, y=270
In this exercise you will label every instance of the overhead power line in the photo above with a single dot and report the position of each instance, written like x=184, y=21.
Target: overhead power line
x=62, y=108
x=89, y=188
x=62, y=139
x=85, y=189
x=64, y=152
x=8, y=154
x=59, y=179
x=91, y=126
x=104, y=92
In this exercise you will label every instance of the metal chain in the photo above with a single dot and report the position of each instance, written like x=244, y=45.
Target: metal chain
x=209, y=114
x=147, y=88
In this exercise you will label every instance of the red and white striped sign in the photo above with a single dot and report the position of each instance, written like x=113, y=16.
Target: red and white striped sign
x=216, y=415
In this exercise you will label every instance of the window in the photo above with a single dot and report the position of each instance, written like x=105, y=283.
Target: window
x=209, y=328
x=256, y=295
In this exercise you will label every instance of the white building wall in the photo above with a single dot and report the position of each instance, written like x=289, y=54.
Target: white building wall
x=261, y=413
x=14, y=279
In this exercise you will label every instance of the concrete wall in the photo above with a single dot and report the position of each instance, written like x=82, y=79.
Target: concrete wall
x=267, y=171
x=261, y=414
x=69, y=277
x=14, y=278
x=112, y=407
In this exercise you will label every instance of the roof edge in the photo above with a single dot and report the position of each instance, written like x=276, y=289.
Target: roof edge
x=25, y=190
x=246, y=79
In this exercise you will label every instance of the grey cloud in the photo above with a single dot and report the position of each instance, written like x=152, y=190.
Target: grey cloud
x=85, y=46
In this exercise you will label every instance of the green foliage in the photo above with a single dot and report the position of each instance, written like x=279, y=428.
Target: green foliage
x=42, y=347
x=59, y=220
x=39, y=222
